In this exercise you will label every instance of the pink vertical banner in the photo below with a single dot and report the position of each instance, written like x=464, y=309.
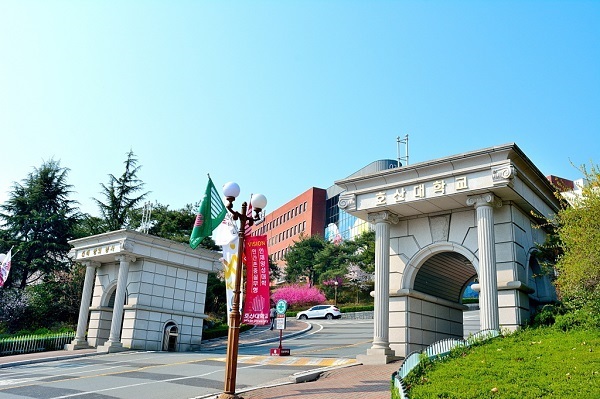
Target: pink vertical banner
x=256, y=303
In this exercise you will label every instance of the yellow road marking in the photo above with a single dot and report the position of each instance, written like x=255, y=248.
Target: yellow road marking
x=293, y=361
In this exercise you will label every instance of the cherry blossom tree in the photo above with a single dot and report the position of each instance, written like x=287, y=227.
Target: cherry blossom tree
x=358, y=279
x=299, y=295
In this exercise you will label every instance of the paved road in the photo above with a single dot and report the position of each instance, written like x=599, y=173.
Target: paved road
x=150, y=375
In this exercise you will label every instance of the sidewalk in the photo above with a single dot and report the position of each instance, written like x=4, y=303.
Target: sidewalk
x=350, y=382
x=353, y=382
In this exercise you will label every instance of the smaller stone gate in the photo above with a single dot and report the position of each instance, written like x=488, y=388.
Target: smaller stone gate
x=141, y=292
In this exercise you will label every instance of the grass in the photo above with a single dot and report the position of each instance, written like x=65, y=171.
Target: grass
x=532, y=363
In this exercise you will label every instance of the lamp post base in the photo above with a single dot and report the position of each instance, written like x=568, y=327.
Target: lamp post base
x=225, y=395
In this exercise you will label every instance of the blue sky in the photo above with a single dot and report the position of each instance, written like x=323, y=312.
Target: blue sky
x=281, y=96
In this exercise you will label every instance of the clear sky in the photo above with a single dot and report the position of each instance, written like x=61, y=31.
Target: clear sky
x=281, y=96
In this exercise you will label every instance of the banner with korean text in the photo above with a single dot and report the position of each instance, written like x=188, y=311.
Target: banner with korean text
x=256, y=303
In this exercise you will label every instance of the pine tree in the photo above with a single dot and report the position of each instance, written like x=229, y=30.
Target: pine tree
x=121, y=195
x=39, y=220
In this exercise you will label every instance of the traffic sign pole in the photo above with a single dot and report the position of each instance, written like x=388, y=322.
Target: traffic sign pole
x=280, y=308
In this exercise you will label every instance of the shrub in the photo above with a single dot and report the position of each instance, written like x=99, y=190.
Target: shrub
x=13, y=309
x=221, y=330
x=546, y=315
x=581, y=310
x=299, y=295
x=585, y=318
x=359, y=308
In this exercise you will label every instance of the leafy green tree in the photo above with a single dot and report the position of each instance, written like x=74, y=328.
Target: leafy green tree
x=331, y=262
x=320, y=260
x=39, y=220
x=361, y=251
x=274, y=270
x=88, y=225
x=578, y=229
x=572, y=251
x=215, y=294
x=167, y=223
x=301, y=259
x=121, y=195
x=56, y=302
x=172, y=224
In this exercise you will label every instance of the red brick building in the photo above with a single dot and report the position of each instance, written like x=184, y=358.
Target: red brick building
x=305, y=214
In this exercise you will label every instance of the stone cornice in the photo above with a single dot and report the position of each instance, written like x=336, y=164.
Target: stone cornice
x=105, y=247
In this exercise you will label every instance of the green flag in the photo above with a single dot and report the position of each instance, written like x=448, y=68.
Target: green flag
x=211, y=213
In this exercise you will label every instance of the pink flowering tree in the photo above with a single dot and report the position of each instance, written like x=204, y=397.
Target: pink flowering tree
x=297, y=295
x=359, y=279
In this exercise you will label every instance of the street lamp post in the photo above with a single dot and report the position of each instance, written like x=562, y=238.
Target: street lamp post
x=335, y=285
x=258, y=202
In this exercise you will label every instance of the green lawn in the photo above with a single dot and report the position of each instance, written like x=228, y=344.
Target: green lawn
x=533, y=363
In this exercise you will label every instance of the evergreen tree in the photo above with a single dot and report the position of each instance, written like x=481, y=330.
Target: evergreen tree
x=39, y=219
x=121, y=195
x=318, y=260
x=331, y=262
x=274, y=270
x=301, y=259
x=88, y=225
x=361, y=251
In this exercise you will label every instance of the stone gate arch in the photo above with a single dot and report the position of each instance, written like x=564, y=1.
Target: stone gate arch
x=141, y=292
x=474, y=208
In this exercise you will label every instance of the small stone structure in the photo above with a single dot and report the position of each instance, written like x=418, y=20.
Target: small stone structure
x=141, y=292
x=443, y=224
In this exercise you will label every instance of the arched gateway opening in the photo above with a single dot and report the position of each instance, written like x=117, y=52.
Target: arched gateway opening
x=439, y=226
x=445, y=275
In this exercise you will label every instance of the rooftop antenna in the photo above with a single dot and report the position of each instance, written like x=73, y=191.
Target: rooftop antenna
x=405, y=157
x=145, y=226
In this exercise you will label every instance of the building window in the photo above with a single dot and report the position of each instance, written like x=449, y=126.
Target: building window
x=332, y=211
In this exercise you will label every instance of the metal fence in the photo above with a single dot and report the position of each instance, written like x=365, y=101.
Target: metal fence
x=434, y=351
x=34, y=343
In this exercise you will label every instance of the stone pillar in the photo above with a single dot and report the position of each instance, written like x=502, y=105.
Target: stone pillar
x=380, y=352
x=80, y=342
x=488, y=280
x=114, y=340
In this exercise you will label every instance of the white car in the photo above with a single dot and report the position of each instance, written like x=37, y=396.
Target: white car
x=320, y=312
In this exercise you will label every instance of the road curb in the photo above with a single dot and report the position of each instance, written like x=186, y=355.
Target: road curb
x=47, y=359
x=266, y=340
x=312, y=375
